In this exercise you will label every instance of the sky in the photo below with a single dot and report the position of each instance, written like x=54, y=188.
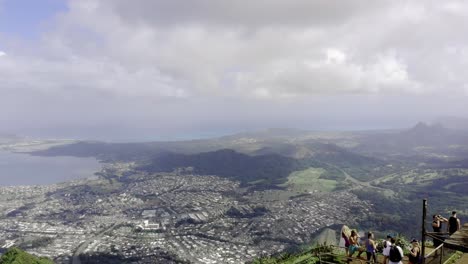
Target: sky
x=164, y=70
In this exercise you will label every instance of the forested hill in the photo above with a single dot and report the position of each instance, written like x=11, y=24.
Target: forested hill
x=102, y=150
x=272, y=164
x=422, y=140
x=228, y=163
x=18, y=256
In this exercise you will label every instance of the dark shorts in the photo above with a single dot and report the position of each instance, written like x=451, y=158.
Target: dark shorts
x=371, y=255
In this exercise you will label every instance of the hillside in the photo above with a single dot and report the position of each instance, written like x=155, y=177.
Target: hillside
x=272, y=168
x=18, y=256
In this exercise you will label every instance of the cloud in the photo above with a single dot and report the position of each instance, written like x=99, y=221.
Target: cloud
x=101, y=76
x=272, y=49
x=335, y=56
x=253, y=14
x=118, y=59
x=2, y=53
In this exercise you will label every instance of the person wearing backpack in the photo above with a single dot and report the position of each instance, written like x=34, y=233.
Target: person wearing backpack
x=396, y=253
x=386, y=248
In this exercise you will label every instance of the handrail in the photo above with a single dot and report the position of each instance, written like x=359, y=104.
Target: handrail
x=438, y=233
x=436, y=237
x=433, y=251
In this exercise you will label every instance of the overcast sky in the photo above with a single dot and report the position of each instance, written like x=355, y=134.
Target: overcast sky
x=141, y=70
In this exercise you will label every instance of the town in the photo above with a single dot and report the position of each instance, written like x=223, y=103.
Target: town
x=127, y=214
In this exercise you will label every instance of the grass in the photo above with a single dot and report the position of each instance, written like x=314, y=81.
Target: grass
x=410, y=177
x=18, y=256
x=424, y=178
x=309, y=181
x=256, y=182
x=307, y=256
x=275, y=195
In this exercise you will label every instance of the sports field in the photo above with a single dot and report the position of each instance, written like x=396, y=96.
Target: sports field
x=309, y=181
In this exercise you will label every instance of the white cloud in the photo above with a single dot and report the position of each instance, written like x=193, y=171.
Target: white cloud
x=2, y=53
x=273, y=53
x=335, y=56
x=152, y=52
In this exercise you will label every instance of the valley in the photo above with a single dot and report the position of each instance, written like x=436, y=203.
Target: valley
x=237, y=198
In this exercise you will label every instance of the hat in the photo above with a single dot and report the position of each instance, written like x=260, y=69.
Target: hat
x=389, y=236
x=414, y=240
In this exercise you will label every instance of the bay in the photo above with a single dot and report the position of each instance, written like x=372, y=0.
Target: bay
x=25, y=169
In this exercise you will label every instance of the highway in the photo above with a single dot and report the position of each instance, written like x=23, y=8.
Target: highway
x=84, y=245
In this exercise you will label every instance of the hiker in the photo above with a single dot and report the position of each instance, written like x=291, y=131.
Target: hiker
x=453, y=223
x=386, y=250
x=354, y=244
x=346, y=239
x=395, y=253
x=370, y=248
x=437, y=221
x=415, y=252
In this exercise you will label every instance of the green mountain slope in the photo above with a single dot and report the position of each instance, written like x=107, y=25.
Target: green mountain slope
x=230, y=164
x=18, y=256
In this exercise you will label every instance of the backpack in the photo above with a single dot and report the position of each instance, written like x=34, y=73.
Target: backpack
x=395, y=255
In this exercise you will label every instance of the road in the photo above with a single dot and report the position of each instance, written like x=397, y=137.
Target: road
x=84, y=245
x=356, y=182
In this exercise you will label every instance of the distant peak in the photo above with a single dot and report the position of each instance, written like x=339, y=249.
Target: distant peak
x=422, y=128
x=425, y=126
x=421, y=125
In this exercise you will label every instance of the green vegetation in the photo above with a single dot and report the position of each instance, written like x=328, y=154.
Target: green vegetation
x=426, y=177
x=310, y=180
x=17, y=256
x=397, y=204
x=269, y=170
x=389, y=213
x=273, y=168
x=309, y=255
x=454, y=258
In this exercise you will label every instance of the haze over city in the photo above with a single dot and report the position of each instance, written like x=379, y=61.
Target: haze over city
x=118, y=70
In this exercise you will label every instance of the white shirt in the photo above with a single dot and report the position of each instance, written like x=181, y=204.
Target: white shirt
x=386, y=250
x=401, y=253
